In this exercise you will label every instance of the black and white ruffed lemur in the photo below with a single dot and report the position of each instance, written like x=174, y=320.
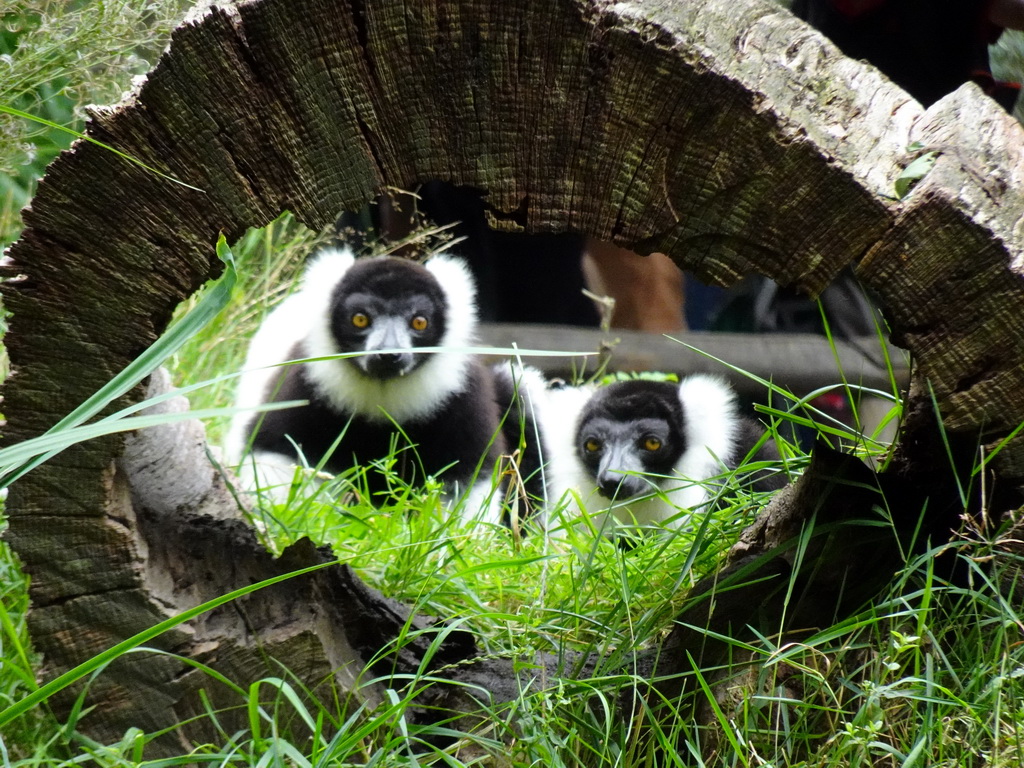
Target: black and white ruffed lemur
x=443, y=414
x=647, y=452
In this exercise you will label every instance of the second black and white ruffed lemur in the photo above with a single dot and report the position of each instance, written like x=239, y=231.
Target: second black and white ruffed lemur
x=648, y=452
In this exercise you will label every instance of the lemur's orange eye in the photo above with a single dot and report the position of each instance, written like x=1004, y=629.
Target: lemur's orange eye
x=419, y=323
x=592, y=445
x=359, y=320
x=652, y=444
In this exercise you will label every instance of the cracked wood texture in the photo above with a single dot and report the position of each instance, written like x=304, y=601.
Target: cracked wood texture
x=726, y=134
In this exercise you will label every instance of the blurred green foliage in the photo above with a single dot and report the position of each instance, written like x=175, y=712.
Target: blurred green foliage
x=56, y=57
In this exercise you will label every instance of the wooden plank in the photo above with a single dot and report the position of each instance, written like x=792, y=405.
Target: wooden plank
x=798, y=362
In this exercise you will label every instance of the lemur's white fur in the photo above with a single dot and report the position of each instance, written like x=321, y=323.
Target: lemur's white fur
x=531, y=388
x=408, y=397
x=711, y=429
x=273, y=343
x=559, y=414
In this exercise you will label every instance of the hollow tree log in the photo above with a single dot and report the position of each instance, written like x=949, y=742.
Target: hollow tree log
x=728, y=135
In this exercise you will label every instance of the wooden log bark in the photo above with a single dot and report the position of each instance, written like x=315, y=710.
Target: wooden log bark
x=728, y=135
x=949, y=271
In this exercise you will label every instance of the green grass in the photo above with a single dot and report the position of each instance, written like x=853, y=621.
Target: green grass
x=59, y=56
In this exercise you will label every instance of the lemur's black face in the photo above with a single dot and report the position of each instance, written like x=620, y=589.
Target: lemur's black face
x=387, y=304
x=630, y=429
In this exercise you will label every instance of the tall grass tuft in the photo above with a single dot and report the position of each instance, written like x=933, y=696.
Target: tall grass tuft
x=56, y=57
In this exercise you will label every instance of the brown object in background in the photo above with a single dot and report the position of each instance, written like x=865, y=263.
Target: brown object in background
x=648, y=290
